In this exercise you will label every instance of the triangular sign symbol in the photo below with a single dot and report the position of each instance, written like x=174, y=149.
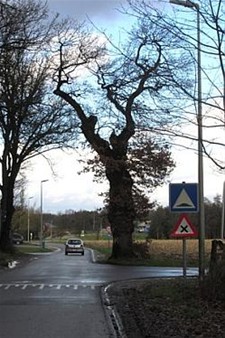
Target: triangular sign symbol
x=184, y=228
x=183, y=200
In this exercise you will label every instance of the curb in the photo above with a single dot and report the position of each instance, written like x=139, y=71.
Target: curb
x=112, y=316
x=113, y=319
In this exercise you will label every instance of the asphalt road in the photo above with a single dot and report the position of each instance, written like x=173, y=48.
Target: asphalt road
x=60, y=296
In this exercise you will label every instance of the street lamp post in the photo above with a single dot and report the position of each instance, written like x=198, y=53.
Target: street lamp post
x=41, y=211
x=28, y=220
x=193, y=5
x=223, y=213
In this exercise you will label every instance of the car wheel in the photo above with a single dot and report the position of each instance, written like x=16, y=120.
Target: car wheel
x=66, y=253
x=82, y=253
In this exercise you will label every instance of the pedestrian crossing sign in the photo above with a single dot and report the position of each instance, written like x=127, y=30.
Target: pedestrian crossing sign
x=183, y=197
x=184, y=228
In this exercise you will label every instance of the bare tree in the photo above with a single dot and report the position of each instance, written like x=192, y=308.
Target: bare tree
x=182, y=23
x=135, y=88
x=32, y=120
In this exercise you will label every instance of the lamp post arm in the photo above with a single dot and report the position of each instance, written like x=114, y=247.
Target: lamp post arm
x=185, y=3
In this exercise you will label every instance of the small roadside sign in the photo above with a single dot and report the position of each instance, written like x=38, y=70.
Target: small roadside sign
x=183, y=197
x=184, y=228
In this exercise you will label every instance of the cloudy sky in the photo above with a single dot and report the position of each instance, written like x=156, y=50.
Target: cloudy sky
x=101, y=11
x=66, y=189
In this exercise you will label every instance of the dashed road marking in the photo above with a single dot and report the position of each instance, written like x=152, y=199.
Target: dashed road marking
x=45, y=286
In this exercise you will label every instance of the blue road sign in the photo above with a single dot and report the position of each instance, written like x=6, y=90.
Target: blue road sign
x=183, y=197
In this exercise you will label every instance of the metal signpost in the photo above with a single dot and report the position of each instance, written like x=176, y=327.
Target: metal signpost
x=184, y=229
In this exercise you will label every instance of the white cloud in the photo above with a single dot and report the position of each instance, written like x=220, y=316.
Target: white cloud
x=69, y=191
x=187, y=171
x=102, y=10
x=65, y=189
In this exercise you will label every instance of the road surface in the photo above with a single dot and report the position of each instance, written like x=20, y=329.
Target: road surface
x=57, y=296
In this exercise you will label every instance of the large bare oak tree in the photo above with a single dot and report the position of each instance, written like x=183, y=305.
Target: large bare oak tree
x=135, y=90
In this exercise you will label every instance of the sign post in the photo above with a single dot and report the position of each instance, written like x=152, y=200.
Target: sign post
x=184, y=257
x=184, y=198
x=184, y=229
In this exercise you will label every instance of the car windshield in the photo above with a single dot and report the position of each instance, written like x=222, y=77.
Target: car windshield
x=74, y=241
x=17, y=236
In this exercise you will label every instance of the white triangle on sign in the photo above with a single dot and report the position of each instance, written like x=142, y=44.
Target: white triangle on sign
x=184, y=228
x=183, y=201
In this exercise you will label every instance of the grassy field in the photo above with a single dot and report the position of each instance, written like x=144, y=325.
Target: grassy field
x=159, y=252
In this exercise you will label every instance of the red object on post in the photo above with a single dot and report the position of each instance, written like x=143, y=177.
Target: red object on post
x=184, y=228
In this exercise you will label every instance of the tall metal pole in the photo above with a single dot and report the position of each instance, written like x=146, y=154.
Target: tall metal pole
x=223, y=212
x=41, y=211
x=28, y=220
x=200, y=161
x=193, y=5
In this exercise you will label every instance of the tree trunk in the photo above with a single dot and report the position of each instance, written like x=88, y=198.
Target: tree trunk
x=214, y=283
x=121, y=211
x=7, y=210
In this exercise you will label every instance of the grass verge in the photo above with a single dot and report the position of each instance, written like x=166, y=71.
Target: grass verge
x=21, y=251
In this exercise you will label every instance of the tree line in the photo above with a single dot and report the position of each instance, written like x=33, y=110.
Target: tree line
x=70, y=223
x=161, y=221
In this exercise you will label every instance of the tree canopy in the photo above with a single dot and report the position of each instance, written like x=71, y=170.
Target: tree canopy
x=32, y=120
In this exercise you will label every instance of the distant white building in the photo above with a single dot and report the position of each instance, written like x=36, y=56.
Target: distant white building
x=143, y=226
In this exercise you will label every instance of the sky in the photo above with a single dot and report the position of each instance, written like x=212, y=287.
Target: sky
x=66, y=189
x=102, y=12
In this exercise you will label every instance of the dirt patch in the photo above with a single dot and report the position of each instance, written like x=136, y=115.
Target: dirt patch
x=159, y=308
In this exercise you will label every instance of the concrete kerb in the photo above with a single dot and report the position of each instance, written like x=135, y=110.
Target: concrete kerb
x=113, y=319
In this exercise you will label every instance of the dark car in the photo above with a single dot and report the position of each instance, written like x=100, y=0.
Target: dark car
x=17, y=238
x=74, y=246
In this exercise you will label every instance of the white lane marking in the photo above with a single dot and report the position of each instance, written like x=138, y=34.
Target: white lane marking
x=52, y=286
